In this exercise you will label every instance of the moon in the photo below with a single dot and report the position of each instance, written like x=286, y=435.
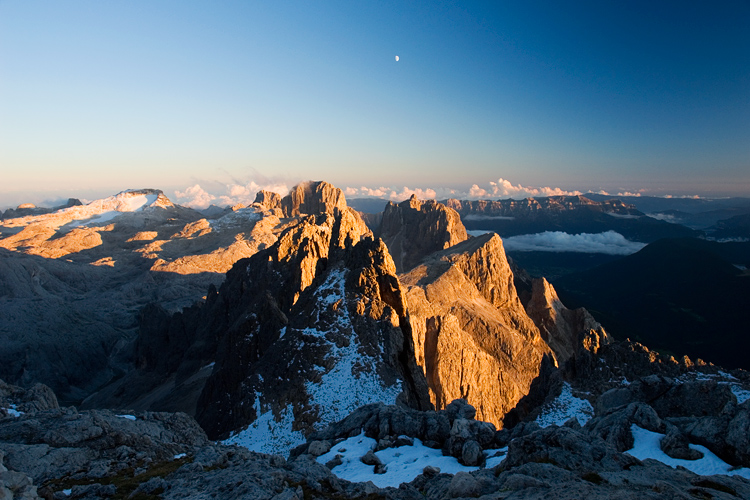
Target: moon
x=396, y=58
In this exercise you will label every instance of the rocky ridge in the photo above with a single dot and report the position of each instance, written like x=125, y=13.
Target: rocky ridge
x=321, y=307
x=561, y=327
x=26, y=209
x=527, y=206
x=87, y=270
x=571, y=214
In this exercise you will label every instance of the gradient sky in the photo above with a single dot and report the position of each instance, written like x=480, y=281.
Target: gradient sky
x=97, y=97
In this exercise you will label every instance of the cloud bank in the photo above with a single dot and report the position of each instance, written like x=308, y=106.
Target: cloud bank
x=610, y=242
x=502, y=188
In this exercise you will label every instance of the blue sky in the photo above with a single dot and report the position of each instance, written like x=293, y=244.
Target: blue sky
x=96, y=97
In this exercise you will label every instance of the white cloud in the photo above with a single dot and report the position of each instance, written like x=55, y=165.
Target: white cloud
x=422, y=194
x=231, y=194
x=195, y=197
x=665, y=217
x=502, y=188
x=245, y=194
x=556, y=241
x=477, y=192
x=400, y=194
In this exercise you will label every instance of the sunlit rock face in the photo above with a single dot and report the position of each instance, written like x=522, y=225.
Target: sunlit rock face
x=413, y=229
x=313, y=198
x=472, y=335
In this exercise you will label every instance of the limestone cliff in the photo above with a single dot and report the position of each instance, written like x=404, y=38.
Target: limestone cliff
x=313, y=198
x=268, y=200
x=413, y=229
x=529, y=206
x=471, y=334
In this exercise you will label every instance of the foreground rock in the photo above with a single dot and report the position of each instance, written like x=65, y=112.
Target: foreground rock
x=64, y=453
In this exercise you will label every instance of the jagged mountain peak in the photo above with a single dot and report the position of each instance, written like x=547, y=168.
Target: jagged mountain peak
x=413, y=229
x=306, y=198
x=329, y=288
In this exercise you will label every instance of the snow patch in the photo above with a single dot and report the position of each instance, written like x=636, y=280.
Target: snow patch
x=129, y=417
x=350, y=383
x=495, y=457
x=646, y=445
x=12, y=411
x=403, y=464
x=267, y=434
x=236, y=218
x=179, y=456
x=741, y=394
x=101, y=211
x=565, y=407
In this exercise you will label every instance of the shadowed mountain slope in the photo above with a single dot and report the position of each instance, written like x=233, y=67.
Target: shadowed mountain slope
x=676, y=295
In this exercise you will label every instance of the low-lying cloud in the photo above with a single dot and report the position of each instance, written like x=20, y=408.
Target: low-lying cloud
x=480, y=217
x=610, y=242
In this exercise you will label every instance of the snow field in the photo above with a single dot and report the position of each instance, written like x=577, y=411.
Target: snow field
x=341, y=390
x=646, y=445
x=403, y=464
x=565, y=407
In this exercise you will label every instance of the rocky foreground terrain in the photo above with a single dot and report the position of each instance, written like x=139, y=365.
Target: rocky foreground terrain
x=407, y=360
x=52, y=452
